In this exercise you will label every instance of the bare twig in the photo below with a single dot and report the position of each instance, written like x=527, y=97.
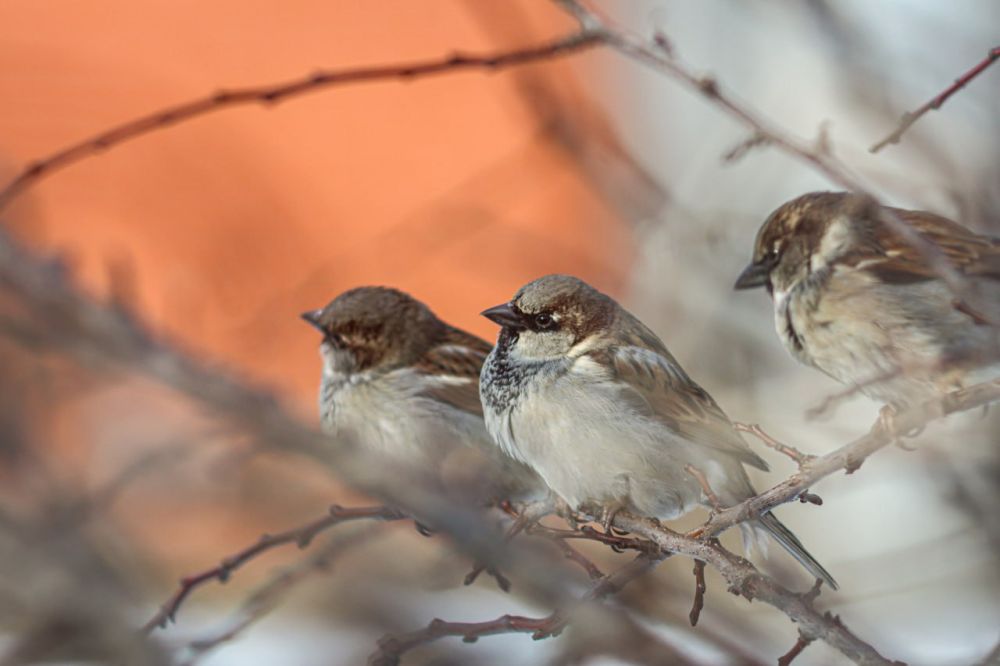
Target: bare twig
x=575, y=556
x=301, y=536
x=744, y=579
x=710, y=495
x=272, y=94
x=801, y=644
x=699, y=592
x=392, y=647
x=850, y=456
x=935, y=103
x=785, y=449
x=267, y=596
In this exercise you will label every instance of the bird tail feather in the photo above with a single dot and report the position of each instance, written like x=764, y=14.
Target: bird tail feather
x=791, y=543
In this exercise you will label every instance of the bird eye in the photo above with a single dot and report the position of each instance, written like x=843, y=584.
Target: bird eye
x=544, y=320
x=335, y=339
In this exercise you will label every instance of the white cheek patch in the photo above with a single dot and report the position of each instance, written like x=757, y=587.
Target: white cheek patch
x=779, y=298
x=836, y=240
x=532, y=345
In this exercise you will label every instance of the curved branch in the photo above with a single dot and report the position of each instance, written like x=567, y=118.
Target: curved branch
x=272, y=94
x=301, y=536
x=935, y=103
x=744, y=579
x=850, y=456
x=391, y=648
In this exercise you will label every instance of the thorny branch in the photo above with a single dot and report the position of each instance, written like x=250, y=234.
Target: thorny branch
x=267, y=596
x=392, y=647
x=935, y=103
x=272, y=94
x=744, y=579
x=301, y=536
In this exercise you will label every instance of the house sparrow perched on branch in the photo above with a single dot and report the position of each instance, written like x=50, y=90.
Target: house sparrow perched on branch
x=582, y=391
x=871, y=309
x=403, y=382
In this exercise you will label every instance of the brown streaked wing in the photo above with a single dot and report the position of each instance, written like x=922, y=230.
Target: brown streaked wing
x=661, y=389
x=970, y=253
x=457, y=355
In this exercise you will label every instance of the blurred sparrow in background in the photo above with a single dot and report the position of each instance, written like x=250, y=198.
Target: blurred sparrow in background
x=858, y=301
x=404, y=383
x=582, y=391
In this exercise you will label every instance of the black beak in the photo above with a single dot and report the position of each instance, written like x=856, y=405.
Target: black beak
x=312, y=318
x=755, y=275
x=505, y=316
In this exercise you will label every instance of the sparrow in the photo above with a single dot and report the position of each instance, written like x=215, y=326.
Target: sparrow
x=588, y=396
x=856, y=300
x=403, y=383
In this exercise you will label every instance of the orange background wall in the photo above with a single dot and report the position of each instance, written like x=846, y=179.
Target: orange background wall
x=457, y=189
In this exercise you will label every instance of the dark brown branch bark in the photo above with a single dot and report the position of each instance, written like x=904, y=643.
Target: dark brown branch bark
x=910, y=117
x=271, y=593
x=301, y=536
x=391, y=648
x=272, y=94
x=699, y=593
x=744, y=579
x=801, y=644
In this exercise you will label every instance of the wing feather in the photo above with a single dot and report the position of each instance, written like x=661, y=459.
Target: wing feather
x=455, y=361
x=654, y=384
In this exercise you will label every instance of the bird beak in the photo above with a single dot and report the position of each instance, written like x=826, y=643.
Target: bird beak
x=312, y=318
x=755, y=275
x=505, y=316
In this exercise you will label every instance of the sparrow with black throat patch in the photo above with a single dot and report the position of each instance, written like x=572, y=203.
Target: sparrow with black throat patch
x=856, y=300
x=583, y=392
x=403, y=383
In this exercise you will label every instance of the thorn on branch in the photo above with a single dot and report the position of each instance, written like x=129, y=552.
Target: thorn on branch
x=807, y=497
x=699, y=592
x=755, y=140
x=662, y=42
x=813, y=593
x=709, y=86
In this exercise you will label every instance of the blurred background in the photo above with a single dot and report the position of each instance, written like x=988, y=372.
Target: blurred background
x=458, y=189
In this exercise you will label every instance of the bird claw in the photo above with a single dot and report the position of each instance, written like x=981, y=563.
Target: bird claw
x=608, y=513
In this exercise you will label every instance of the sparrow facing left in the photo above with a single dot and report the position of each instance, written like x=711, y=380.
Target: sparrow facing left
x=404, y=383
x=587, y=395
x=859, y=302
